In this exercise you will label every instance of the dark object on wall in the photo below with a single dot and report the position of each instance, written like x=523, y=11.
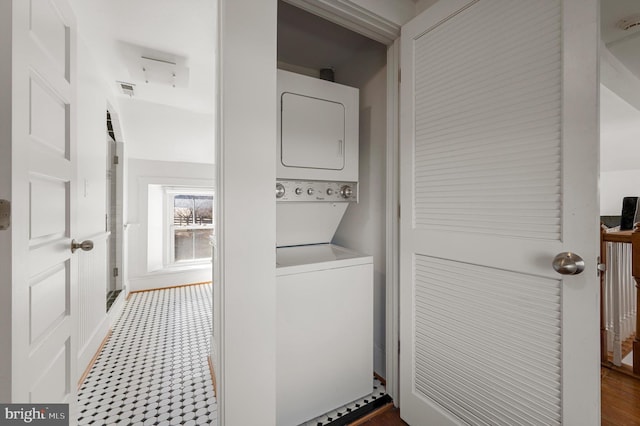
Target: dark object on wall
x=610, y=221
x=327, y=74
x=629, y=213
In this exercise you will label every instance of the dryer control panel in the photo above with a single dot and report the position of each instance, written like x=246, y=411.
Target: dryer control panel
x=315, y=191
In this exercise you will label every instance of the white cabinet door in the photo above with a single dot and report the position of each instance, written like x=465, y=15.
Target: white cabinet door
x=43, y=174
x=499, y=161
x=324, y=356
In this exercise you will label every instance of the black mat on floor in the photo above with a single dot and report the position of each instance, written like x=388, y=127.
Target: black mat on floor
x=354, y=415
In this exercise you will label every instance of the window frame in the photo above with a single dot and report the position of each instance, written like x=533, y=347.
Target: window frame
x=170, y=227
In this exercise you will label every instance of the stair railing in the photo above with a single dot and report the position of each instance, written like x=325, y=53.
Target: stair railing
x=620, y=253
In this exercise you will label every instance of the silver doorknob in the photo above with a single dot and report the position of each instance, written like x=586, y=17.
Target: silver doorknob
x=567, y=263
x=86, y=245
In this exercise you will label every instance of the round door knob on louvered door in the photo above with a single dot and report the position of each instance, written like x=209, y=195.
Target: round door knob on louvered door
x=567, y=263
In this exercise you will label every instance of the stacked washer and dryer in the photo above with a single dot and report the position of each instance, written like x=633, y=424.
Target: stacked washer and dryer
x=324, y=348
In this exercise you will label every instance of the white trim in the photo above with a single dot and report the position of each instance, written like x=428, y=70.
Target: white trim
x=392, y=206
x=171, y=278
x=6, y=236
x=218, y=265
x=354, y=17
x=86, y=353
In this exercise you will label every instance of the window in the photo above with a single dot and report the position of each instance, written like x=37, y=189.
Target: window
x=190, y=217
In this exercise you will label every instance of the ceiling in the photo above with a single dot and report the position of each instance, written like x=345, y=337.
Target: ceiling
x=116, y=30
x=119, y=32
x=625, y=45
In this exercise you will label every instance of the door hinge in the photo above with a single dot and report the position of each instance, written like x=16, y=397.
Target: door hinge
x=399, y=75
x=398, y=211
x=116, y=160
x=115, y=272
x=5, y=214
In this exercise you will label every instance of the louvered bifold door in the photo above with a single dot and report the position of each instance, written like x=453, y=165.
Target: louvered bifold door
x=482, y=169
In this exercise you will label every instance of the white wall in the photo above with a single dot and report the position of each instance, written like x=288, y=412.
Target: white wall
x=165, y=133
x=143, y=175
x=619, y=151
x=616, y=185
x=363, y=226
x=244, y=288
x=617, y=78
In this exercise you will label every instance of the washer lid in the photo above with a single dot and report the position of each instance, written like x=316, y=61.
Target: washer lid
x=317, y=257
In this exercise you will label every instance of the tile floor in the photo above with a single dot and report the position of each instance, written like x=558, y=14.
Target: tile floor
x=153, y=370
x=334, y=416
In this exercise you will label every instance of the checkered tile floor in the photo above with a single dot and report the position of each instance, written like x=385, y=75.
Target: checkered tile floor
x=153, y=369
x=326, y=419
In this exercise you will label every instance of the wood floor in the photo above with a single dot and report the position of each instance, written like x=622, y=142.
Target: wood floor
x=620, y=402
x=388, y=418
x=620, y=399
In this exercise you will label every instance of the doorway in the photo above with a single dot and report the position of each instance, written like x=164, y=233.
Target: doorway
x=114, y=212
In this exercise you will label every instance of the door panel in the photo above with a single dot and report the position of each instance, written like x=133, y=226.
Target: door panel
x=43, y=190
x=491, y=192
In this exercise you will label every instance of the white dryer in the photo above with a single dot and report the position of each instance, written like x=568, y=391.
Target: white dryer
x=317, y=129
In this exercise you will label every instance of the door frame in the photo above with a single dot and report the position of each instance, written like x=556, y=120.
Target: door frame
x=120, y=187
x=348, y=14
x=6, y=40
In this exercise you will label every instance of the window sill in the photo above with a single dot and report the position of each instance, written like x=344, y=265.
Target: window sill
x=181, y=268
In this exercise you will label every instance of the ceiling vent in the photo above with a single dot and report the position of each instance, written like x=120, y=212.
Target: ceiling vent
x=629, y=22
x=127, y=88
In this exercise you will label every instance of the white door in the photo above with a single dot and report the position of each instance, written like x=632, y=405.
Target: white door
x=43, y=202
x=499, y=162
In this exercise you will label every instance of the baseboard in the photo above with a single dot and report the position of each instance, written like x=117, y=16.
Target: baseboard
x=93, y=360
x=166, y=288
x=370, y=416
x=364, y=413
x=213, y=377
x=168, y=279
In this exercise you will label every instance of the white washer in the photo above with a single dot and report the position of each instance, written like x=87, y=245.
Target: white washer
x=324, y=356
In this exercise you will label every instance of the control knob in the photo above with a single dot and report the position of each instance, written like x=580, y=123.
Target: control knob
x=280, y=190
x=298, y=191
x=310, y=191
x=329, y=191
x=346, y=191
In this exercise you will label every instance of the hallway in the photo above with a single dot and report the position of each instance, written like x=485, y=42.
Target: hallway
x=153, y=369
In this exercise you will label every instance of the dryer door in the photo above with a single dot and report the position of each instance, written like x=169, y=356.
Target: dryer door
x=313, y=132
